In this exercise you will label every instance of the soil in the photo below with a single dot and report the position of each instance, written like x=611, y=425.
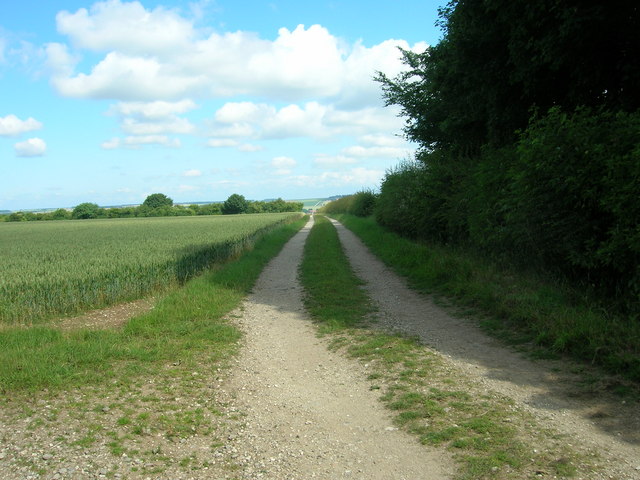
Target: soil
x=288, y=408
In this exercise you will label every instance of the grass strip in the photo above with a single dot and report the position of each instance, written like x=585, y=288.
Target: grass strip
x=335, y=298
x=188, y=321
x=488, y=435
x=515, y=306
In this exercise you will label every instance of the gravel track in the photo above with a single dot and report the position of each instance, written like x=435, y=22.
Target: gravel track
x=309, y=412
x=596, y=420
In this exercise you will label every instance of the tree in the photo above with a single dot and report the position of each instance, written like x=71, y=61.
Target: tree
x=235, y=204
x=210, y=209
x=156, y=200
x=498, y=59
x=86, y=210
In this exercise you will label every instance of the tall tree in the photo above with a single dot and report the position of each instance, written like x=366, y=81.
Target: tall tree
x=156, y=200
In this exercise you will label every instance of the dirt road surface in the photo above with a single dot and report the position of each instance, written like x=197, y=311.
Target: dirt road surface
x=309, y=412
x=595, y=419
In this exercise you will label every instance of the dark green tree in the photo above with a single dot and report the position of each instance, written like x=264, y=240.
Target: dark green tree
x=86, y=210
x=157, y=200
x=235, y=204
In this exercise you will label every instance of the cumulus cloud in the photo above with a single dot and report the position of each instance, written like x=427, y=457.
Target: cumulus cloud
x=192, y=173
x=151, y=54
x=153, y=118
x=312, y=119
x=158, y=110
x=127, y=27
x=33, y=147
x=377, y=151
x=12, y=126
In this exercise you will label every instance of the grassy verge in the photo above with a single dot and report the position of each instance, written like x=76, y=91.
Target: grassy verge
x=185, y=323
x=518, y=307
x=486, y=433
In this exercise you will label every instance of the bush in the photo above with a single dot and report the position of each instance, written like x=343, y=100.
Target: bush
x=574, y=197
x=361, y=204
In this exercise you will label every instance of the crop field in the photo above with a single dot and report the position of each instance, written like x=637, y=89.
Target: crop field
x=64, y=267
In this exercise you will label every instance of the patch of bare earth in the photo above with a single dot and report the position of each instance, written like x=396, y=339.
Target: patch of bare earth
x=591, y=418
x=111, y=317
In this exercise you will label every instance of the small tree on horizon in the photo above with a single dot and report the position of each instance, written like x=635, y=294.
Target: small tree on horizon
x=157, y=200
x=86, y=210
x=235, y=204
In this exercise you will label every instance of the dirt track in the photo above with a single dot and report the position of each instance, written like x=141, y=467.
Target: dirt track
x=310, y=412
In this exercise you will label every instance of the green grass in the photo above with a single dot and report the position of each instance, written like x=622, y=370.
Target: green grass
x=519, y=307
x=187, y=322
x=336, y=298
x=487, y=435
x=64, y=267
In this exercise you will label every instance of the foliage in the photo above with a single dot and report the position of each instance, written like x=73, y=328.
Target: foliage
x=272, y=206
x=235, y=204
x=499, y=58
x=528, y=149
x=157, y=200
x=87, y=210
x=361, y=203
x=55, y=268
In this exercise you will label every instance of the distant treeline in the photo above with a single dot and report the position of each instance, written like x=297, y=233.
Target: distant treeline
x=159, y=205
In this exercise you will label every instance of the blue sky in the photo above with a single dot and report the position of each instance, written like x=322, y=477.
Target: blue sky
x=110, y=101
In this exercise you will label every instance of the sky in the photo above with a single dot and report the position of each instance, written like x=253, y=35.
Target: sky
x=110, y=101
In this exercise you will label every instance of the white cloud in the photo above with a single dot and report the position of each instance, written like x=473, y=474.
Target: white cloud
x=377, y=151
x=231, y=143
x=172, y=125
x=152, y=54
x=125, y=77
x=355, y=178
x=135, y=141
x=192, y=173
x=11, y=126
x=153, y=118
x=283, y=165
x=61, y=63
x=312, y=119
x=33, y=147
x=158, y=110
x=127, y=27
